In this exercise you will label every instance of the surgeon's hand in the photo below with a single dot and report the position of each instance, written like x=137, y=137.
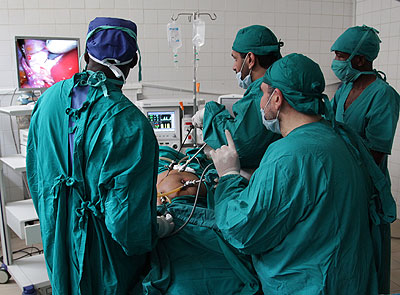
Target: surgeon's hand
x=197, y=119
x=165, y=225
x=226, y=158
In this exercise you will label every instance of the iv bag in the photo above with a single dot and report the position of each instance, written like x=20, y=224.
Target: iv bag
x=174, y=36
x=199, y=30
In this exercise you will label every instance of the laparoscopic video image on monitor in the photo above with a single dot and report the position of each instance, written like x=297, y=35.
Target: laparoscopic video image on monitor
x=43, y=62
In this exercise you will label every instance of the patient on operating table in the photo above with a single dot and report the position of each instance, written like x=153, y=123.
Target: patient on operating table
x=171, y=184
x=193, y=258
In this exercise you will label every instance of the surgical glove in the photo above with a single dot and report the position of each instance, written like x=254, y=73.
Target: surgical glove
x=197, y=119
x=165, y=225
x=226, y=158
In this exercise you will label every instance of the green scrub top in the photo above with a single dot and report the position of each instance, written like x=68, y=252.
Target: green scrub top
x=301, y=217
x=248, y=132
x=97, y=219
x=197, y=261
x=373, y=115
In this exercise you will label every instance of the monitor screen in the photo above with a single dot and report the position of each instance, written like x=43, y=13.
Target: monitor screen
x=228, y=102
x=162, y=121
x=42, y=62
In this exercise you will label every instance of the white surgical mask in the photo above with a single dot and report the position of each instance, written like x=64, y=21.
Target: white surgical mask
x=273, y=124
x=245, y=83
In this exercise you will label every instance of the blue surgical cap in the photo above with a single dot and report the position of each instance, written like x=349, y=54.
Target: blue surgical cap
x=112, y=43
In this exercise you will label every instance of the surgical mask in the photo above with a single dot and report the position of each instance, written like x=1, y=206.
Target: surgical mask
x=245, y=83
x=343, y=68
x=273, y=124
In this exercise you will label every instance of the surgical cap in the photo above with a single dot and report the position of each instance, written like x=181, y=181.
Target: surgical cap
x=301, y=82
x=257, y=39
x=348, y=41
x=112, y=43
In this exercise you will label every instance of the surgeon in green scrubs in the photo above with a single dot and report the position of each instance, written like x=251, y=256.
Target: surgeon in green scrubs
x=370, y=106
x=92, y=167
x=255, y=48
x=305, y=214
x=195, y=260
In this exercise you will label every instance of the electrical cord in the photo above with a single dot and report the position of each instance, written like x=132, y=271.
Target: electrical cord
x=23, y=250
x=173, y=163
x=11, y=124
x=194, y=204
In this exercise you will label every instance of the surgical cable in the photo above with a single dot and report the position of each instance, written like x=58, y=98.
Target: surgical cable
x=194, y=203
x=191, y=159
x=186, y=184
x=173, y=163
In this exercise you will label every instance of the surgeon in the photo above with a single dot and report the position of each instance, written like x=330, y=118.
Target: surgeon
x=194, y=259
x=370, y=106
x=254, y=50
x=92, y=168
x=305, y=214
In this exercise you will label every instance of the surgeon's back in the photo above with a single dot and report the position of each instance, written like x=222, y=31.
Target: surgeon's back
x=304, y=216
x=327, y=248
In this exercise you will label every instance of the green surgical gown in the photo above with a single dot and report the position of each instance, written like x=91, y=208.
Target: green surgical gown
x=197, y=261
x=97, y=218
x=373, y=115
x=304, y=216
x=246, y=127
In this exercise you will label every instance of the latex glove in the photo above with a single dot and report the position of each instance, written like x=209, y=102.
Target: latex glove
x=165, y=225
x=197, y=119
x=226, y=158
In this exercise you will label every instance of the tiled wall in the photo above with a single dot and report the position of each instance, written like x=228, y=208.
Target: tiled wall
x=384, y=15
x=306, y=26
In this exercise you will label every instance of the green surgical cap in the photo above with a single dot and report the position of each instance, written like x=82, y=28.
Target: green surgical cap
x=348, y=41
x=301, y=82
x=257, y=39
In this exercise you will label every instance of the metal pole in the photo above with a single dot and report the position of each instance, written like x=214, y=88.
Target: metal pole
x=4, y=234
x=195, y=63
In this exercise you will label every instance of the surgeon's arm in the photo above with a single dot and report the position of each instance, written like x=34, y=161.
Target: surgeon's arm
x=257, y=217
x=248, y=133
x=128, y=181
x=381, y=122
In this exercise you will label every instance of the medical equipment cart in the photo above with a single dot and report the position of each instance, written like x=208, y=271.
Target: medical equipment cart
x=28, y=272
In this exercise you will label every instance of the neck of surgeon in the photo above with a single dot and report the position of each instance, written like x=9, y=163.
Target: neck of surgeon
x=361, y=64
x=95, y=67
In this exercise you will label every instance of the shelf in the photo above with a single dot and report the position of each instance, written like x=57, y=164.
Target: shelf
x=30, y=271
x=18, y=110
x=19, y=214
x=16, y=162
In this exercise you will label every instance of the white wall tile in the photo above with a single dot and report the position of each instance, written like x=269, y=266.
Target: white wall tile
x=30, y=4
x=3, y=17
x=62, y=16
x=62, y=4
x=150, y=16
x=122, y=4
x=78, y=3
x=16, y=16
x=15, y=4
x=77, y=16
x=92, y=3
x=46, y=4
x=31, y=16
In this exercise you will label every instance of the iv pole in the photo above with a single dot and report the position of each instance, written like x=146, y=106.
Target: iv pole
x=195, y=15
